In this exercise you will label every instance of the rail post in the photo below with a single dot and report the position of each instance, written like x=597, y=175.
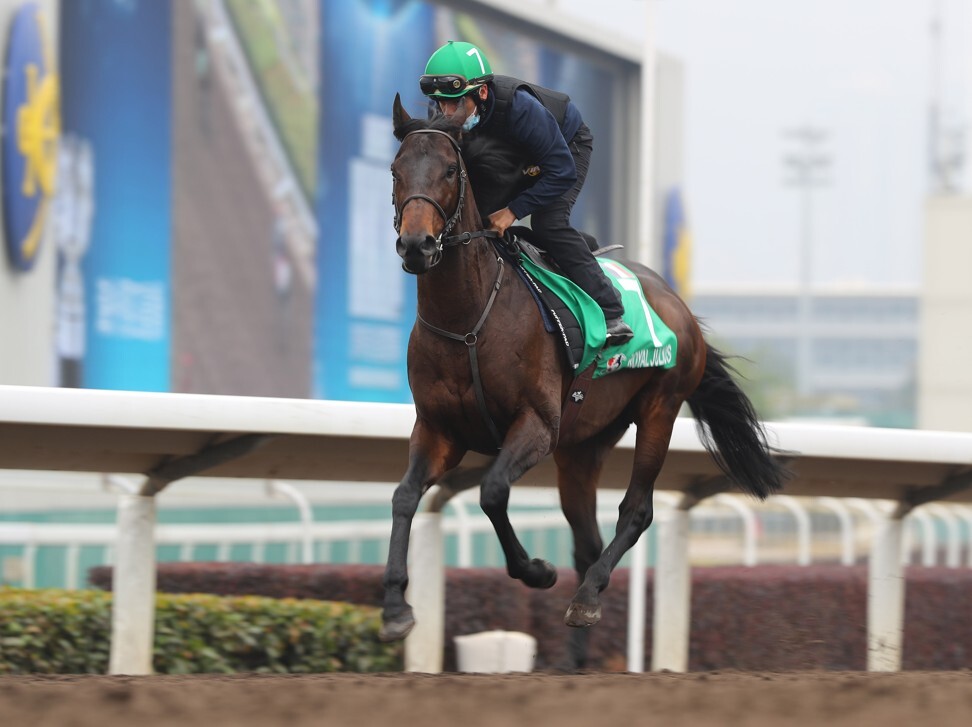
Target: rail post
x=885, y=597
x=637, y=582
x=426, y=593
x=133, y=599
x=673, y=586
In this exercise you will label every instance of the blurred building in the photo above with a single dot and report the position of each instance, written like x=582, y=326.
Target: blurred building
x=944, y=384
x=227, y=228
x=864, y=343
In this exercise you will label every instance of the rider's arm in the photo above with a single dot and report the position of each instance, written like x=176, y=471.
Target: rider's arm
x=537, y=132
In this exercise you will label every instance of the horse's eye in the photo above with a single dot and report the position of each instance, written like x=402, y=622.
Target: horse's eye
x=451, y=171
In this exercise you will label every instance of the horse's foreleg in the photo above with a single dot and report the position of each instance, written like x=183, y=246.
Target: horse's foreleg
x=527, y=441
x=634, y=514
x=429, y=458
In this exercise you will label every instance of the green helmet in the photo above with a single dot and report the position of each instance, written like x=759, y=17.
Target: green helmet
x=454, y=70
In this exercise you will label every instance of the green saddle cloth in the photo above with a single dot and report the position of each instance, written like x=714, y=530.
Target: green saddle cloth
x=653, y=345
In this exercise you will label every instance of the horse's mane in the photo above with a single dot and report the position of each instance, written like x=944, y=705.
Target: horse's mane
x=496, y=168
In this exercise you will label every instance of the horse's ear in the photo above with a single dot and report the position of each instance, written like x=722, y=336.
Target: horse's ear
x=400, y=117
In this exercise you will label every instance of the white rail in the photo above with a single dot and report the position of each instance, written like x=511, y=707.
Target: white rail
x=168, y=437
x=314, y=540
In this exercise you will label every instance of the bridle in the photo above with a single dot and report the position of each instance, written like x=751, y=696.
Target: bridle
x=444, y=240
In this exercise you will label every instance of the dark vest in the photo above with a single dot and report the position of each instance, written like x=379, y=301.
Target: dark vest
x=503, y=88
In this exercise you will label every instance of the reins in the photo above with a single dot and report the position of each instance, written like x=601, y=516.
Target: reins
x=444, y=241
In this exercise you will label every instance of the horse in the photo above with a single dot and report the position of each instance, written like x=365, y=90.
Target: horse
x=478, y=330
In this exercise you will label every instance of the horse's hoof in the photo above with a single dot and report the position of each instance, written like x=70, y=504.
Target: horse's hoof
x=397, y=628
x=581, y=615
x=540, y=574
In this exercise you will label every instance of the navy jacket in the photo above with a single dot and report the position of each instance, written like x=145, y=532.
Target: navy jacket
x=532, y=128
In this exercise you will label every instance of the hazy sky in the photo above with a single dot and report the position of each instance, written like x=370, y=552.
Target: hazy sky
x=754, y=69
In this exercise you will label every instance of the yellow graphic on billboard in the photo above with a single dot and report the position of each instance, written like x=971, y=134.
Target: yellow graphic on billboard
x=31, y=96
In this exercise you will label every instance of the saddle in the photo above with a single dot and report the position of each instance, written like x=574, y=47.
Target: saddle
x=558, y=319
x=541, y=257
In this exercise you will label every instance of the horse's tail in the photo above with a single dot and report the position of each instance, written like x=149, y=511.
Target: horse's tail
x=731, y=431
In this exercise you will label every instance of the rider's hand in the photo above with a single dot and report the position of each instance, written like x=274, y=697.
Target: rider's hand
x=501, y=220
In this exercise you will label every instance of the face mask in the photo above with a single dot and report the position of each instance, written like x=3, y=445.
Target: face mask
x=470, y=122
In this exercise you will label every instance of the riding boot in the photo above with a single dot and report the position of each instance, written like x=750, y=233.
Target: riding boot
x=618, y=332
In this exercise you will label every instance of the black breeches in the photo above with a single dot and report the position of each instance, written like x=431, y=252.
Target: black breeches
x=565, y=244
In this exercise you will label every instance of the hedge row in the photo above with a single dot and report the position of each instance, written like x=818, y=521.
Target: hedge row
x=68, y=632
x=765, y=618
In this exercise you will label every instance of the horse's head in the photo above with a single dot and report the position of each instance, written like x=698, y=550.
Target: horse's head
x=429, y=186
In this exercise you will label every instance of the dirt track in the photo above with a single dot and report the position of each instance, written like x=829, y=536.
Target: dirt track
x=759, y=700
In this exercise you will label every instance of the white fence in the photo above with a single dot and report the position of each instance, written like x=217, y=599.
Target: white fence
x=732, y=529
x=168, y=437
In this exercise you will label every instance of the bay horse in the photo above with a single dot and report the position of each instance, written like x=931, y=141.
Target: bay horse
x=487, y=378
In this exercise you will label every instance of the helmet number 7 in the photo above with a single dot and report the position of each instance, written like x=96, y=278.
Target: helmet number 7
x=475, y=52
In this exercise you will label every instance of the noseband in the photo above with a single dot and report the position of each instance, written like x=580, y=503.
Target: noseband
x=442, y=241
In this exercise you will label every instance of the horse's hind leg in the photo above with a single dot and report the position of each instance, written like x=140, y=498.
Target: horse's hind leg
x=578, y=470
x=634, y=513
x=527, y=441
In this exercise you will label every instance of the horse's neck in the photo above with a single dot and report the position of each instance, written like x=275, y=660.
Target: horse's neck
x=453, y=294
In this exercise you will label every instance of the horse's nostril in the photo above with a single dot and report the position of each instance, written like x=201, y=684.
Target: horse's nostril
x=418, y=252
x=415, y=245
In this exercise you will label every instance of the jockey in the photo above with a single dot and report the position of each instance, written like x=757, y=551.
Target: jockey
x=550, y=130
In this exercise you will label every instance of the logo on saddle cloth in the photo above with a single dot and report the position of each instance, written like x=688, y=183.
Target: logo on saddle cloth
x=615, y=363
x=654, y=344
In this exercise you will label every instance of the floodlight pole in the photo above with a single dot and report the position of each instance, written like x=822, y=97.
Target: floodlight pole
x=805, y=166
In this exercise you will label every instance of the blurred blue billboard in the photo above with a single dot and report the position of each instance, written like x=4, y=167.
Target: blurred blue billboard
x=115, y=60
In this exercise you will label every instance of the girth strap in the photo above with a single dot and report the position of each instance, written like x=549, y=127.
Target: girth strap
x=470, y=339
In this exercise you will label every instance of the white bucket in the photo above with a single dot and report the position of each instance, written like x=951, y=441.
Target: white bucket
x=496, y=652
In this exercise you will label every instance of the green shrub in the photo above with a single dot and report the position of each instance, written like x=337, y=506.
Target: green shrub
x=68, y=632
